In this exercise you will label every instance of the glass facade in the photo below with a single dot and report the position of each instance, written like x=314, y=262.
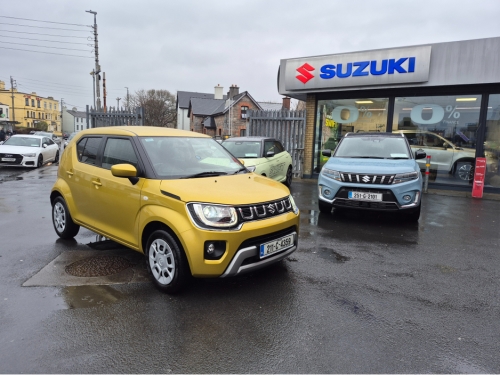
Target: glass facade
x=492, y=142
x=337, y=117
x=446, y=127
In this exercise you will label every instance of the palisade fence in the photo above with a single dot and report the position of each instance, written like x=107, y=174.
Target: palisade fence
x=98, y=118
x=288, y=126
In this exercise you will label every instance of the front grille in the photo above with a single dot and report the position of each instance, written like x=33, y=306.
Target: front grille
x=19, y=158
x=379, y=179
x=263, y=210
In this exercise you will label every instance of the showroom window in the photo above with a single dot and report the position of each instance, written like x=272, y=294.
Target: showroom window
x=492, y=142
x=337, y=117
x=446, y=128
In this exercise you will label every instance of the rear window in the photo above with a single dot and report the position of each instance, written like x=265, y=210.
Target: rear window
x=87, y=149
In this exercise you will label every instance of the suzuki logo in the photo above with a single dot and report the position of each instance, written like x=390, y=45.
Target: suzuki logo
x=366, y=179
x=305, y=76
x=271, y=208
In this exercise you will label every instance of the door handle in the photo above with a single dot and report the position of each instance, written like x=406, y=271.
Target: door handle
x=97, y=183
x=70, y=174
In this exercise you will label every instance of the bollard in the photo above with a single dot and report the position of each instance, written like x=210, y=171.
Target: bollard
x=478, y=179
x=427, y=172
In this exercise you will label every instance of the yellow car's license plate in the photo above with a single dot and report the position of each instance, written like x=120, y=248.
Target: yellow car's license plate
x=275, y=246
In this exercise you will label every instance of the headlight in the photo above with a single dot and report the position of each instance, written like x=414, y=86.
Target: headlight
x=294, y=206
x=215, y=216
x=251, y=168
x=29, y=155
x=331, y=174
x=404, y=177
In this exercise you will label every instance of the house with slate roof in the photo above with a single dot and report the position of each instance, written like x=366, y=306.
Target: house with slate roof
x=220, y=115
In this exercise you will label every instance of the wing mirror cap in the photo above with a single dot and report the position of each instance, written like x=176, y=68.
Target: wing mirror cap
x=270, y=154
x=123, y=170
x=326, y=152
x=420, y=154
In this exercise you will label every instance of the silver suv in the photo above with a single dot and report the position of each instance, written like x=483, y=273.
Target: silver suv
x=445, y=156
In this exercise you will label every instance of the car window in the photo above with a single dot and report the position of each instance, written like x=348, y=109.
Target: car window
x=373, y=147
x=244, y=149
x=50, y=141
x=22, y=141
x=118, y=151
x=87, y=150
x=278, y=147
x=45, y=141
x=269, y=146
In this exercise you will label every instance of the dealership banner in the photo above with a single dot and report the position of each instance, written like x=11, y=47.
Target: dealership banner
x=380, y=67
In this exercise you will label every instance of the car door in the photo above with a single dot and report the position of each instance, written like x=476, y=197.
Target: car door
x=440, y=150
x=51, y=149
x=116, y=200
x=281, y=161
x=79, y=175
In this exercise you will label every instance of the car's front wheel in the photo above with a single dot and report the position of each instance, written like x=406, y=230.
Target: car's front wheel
x=39, y=162
x=56, y=158
x=324, y=208
x=289, y=176
x=61, y=218
x=464, y=171
x=413, y=215
x=166, y=262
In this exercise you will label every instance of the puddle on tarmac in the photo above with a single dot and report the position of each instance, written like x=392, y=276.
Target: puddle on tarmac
x=85, y=296
x=326, y=253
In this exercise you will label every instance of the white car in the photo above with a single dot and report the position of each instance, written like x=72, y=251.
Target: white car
x=32, y=151
x=264, y=156
x=445, y=156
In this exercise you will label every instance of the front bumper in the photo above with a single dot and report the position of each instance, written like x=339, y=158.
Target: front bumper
x=336, y=194
x=20, y=161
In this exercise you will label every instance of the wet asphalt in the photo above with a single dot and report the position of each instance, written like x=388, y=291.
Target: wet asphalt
x=364, y=293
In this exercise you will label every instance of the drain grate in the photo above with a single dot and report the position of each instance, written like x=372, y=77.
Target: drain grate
x=101, y=265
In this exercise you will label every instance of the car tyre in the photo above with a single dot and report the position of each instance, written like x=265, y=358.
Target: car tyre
x=413, y=215
x=289, y=176
x=166, y=262
x=63, y=223
x=324, y=207
x=56, y=159
x=465, y=172
x=39, y=162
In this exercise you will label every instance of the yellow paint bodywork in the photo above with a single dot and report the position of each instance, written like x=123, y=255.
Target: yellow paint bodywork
x=149, y=201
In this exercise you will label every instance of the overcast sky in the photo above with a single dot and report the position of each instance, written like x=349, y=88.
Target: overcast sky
x=188, y=45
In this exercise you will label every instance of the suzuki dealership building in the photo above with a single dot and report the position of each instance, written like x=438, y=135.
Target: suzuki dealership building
x=445, y=98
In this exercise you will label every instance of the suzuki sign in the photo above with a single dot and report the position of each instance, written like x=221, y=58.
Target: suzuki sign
x=381, y=67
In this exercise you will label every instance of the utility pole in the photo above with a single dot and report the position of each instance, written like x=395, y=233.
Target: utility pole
x=118, y=103
x=104, y=91
x=97, y=69
x=128, y=103
x=92, y=73
x=12, y=82
x=61, y=116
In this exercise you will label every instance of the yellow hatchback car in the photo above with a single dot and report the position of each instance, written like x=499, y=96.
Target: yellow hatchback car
x=178, y=197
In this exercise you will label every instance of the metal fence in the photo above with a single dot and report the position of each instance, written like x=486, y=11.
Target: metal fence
x=286, y=126
x=114, y=117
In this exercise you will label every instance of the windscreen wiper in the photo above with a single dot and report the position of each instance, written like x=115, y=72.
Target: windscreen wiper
x=367, y=157
x=205, y=174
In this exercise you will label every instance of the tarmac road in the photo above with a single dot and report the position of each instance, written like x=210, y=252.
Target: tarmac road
x=362, y=294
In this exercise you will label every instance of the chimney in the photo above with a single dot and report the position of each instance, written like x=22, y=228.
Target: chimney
x=286, y=103
x=219, y=92
x=2, y=85
x=233, y=91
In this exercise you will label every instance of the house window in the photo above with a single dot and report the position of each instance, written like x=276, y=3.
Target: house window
x=50, y=105
x=32, y=102
x=220, y=132
x=244, y=110
x=27, y=113
x=45, y=105
x=243, y=132
x=26, y=101
x=38, y=103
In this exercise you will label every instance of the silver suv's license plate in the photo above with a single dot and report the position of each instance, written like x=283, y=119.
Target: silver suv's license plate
x=275, y=246
x=361, y=196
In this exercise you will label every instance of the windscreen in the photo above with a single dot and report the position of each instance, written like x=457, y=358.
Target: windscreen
x=184, y=157
x=23, y=141
x=373, y=147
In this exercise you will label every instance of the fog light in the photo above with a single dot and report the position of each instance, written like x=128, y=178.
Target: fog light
x=407, y=198
x=214, y=250
x=326, y=192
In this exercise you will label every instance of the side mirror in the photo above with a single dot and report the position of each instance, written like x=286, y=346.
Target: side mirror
x=270, y=154
x=326, y=152
x=126, y=171
x=420, y=154
x=44, y=145
x=241, y=161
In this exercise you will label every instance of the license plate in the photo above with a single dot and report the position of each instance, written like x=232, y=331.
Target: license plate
x=361, y=196
x=8, y=159
x=275, y=246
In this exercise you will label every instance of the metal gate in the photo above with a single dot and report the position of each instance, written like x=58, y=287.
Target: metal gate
x=114, y=117
x=286, y=126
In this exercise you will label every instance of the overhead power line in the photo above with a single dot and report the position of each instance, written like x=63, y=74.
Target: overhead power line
x=62, y=36
x=41, y=40
x=42, y=27
x=36, y=45
x=60, y=23
x=50, y=53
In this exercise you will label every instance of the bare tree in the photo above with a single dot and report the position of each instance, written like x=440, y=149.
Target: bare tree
x=159, y=107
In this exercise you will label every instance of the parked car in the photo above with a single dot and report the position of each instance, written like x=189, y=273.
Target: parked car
x=372, y=171
x=28, y=151
x=69, y=138
x=178, y=197
x=262, y=155
x=445, y=155
x=52, y=136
